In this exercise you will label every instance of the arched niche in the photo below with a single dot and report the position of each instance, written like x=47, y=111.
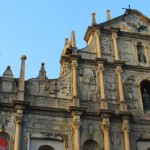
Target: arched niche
x=4, y=141
x=141, y=53
x=90, y=145
x=46, y=147
x=145, y=92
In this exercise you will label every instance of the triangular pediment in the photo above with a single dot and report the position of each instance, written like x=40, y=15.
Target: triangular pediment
x=131, y=21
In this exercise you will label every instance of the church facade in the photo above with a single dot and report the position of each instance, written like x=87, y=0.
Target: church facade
x=101, y=101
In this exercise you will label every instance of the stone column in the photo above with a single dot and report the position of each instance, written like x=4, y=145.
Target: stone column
x=105, y=128
x=98, y=43
x=126, y=130
x=104, y=104
x=76, y=101
x=21, y=79
x=146, y=54
x=74, y=77
x=114, y=37
x=123, y=105
x=76, y=129
x=18, y=122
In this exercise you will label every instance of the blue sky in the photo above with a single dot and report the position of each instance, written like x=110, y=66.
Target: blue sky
x=37, y=28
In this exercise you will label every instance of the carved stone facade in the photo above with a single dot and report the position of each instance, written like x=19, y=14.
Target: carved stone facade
x=101, y=101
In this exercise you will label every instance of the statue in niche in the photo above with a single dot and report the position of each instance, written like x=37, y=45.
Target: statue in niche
x=146, y=100
x=106, y=46
x=89, y=89
x=111, y=86
x=140, y=51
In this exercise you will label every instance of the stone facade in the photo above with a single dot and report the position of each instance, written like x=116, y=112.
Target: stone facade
x=101, y=101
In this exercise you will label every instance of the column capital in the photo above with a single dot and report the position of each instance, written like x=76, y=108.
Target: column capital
x=105, y=124
x=100, y=67
x=18, y=119
x=118, y=70
x=76, y=124
x=125, y=126
x=74, y=63
x=114, y=35
x=97, y=33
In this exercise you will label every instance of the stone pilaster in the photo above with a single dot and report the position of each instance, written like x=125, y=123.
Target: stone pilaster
x=123, y=106
x=74, y=84
x=103, y=102
x=126, y=130
x=98, y=43
x=105, y=128
x=76, y=123
x=116, y=52
x=18, y=121
x=21, y=79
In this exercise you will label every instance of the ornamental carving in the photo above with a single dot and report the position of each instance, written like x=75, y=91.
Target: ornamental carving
x=106, y=46
x=117, y=138
x=135, y=24
x=61, y=87
x=89, y=89
x=131, y=94
x=65, y=68
x=111, y=86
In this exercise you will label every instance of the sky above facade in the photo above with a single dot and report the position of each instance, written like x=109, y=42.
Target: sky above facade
x=37, y=29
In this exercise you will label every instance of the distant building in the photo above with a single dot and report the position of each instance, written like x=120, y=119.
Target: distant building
x=101, y=101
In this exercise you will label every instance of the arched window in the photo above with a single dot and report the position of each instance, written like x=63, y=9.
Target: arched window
x=140, y=51
x=145, y=92
x=90, y=145
x=46, y=147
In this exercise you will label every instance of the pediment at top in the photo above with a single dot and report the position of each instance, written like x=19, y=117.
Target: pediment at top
x=134, y=22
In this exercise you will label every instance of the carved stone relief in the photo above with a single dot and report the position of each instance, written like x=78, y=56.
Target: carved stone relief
x=116, y=137
x=92, y=132
x=131, y=94
x=89, y=89
x=126, y=51
x=65, y=68
x=61, y=87
x=106, y=46
x=111, y=86
x=135, y=24
x=49, y=102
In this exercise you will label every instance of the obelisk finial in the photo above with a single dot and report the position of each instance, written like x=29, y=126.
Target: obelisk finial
x=93, y=18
